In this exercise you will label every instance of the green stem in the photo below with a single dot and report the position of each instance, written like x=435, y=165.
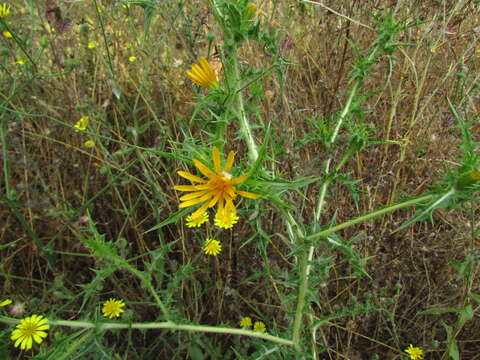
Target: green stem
x=307, y=258
x=302, y=292
x=370, y=216
x=241, y=114
x=159, y=325
x=3, y=135
x=150, y=287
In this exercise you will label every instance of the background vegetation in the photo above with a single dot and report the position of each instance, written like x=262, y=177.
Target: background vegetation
x=77, y=222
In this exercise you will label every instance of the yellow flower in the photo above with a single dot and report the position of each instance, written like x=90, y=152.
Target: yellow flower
x=218, y=189
x=82, y=124
x=92, y=44
x=7, y=34
x=259, y=326
x=197, y=221
x=226, y=219
x=415, y=353
x=30, y=328
x=126, y=5
x=212, y=247
x=4, y=10
x=132, y=58
x=126, y=19
x=5, y=302
x=89, y=144
x=113, y=308
x=203, y=75
x=19, y=60
x=246, y=322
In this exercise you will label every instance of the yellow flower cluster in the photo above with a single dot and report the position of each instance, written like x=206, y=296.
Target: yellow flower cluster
x=258, y=326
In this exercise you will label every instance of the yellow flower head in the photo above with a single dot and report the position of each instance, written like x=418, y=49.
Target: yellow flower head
x=4, y=10
x=5, y=302
x=259, y=326
x=415, y=353
x=89, y=144
x=212, y=247
x=132, y=58
x=19, y=60
x=92, y=44
x=218, y=189
x=7, y=34
x=203, y=75
x=197, y=221
x=246, y=322
x=225, y=219
x=30, y=328
x=82, y=124
x=113, y=308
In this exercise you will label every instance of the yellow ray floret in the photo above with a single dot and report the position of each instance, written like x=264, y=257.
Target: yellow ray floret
x=203, y=75
x=218, y=189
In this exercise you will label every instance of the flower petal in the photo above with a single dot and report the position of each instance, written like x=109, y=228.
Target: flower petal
x=204, y=169
x=207, y=68
x=229, y=164
x=196, y=201
x=216, y=160
x=191, y=187
x=240, y=179
x=248, y=195
x=191, y=177
x=192, y=195
x=200, y=210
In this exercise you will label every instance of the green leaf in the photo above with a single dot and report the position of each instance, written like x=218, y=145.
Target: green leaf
x=474, y=297
x=452, y=343
x=466, y=314
x=440, y=201
x=438, y=311
x=195, y=352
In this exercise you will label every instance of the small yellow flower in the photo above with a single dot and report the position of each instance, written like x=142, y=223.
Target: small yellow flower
x=126, y=19
x=415, y=353
x=82, y=124
x=19, y=60
x=5, y=302
x=203, y=75
x=4, y=10
x=212, y=247
x=225, y=219
x=259, y=326
x=197, y=221
x=7, y=34
x=89, y=144
x=132, y=59
x=113, y=308
x=126, y=5
x=30, y=328
x=246, y=322
x=92, y=44
x=218, y=189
